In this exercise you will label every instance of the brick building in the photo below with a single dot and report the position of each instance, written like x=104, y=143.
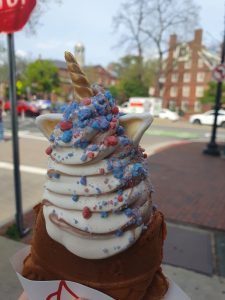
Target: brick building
x=187, y=72
x=95, y=74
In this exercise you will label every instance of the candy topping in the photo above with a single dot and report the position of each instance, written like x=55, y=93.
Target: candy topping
x=86, y=212
x=65, y=125
x=48, y=151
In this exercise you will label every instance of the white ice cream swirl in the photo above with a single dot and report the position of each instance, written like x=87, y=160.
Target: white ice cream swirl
x=97, y=199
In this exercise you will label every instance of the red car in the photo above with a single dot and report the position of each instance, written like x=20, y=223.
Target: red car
x=22, y=105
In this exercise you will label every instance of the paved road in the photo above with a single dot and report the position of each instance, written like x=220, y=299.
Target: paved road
x=33, y=159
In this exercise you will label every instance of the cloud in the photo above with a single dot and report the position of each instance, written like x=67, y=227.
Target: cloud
x=21, y=53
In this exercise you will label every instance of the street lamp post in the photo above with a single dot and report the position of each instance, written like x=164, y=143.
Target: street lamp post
x=212, y=147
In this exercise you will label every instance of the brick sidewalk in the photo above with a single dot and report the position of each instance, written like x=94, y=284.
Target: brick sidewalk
x=189, y=186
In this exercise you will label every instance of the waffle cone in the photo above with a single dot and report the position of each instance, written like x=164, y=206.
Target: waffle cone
x=134, y=274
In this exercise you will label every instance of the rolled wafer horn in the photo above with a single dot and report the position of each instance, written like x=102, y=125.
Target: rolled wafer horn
x=81, y=85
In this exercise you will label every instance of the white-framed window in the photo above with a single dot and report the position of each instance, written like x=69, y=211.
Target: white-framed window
x=187, y=77
x=200, y=76
x=174, y=77
x=173, y=91
x=200, y=63
x=199, y=92
x=197, y=106
x=187, y=64
x=172, y=105
x=184, y=105
x=186, y=91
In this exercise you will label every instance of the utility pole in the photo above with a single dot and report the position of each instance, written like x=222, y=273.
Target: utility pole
x=212, y=147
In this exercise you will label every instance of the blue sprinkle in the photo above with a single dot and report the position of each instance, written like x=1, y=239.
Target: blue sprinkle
x=75, y=221
x=83, y=157
x=104, y=124
x=119, y=232
x=108, y=95
x=124, y=140
x=128, y=212
x=94, y=147
x=82, y=124
x=104, y=214
x=95, y=125
x=84, y=114
x=83, y=180
x=70, y=154
x=109, y=117
x=98, y=190
x=67, y=136
x=75, y=197
x=54, y=175
x=138, y=170
x=52, y=138
x=101, y=99
x=105, y=250
x=120, y=130
x=118, y=172
x=81, y=144
x=109, y=165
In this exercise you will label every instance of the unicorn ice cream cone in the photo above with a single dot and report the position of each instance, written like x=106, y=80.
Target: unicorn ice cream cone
x=96, y=224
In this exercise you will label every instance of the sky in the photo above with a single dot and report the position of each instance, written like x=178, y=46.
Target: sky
x=90, y=22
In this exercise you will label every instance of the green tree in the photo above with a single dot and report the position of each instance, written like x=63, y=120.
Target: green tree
x=42, y=77
x=210, y=94
x=130, y=84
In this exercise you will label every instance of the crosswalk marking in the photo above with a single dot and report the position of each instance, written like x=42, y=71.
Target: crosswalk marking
x=23, y=168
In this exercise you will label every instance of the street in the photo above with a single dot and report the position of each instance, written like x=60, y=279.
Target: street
x=33, y=159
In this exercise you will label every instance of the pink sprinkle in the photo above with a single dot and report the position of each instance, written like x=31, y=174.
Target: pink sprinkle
x=111, y=140
x=86, y=212
x=102, y=171
x=90, y=154
x=48, y=151
x=115, y=110
x=76, y=134
x=112, y=125
x=111, y=202
x=65, y=125
x=120, y=198
x=86, y=101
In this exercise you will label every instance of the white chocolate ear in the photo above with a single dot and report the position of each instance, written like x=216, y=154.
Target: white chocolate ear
x=46, y=123
x=135, y=125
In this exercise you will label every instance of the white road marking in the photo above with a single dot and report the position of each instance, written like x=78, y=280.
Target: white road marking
x=28, y=135
x=26, y=169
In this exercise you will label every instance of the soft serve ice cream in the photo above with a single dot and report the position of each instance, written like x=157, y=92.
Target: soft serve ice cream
x=95, y=225
x=97, y=196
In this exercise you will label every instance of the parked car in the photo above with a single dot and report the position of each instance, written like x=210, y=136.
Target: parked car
x=29, y=109
x=207, y=118
x=42, y=104
x=168, y=114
